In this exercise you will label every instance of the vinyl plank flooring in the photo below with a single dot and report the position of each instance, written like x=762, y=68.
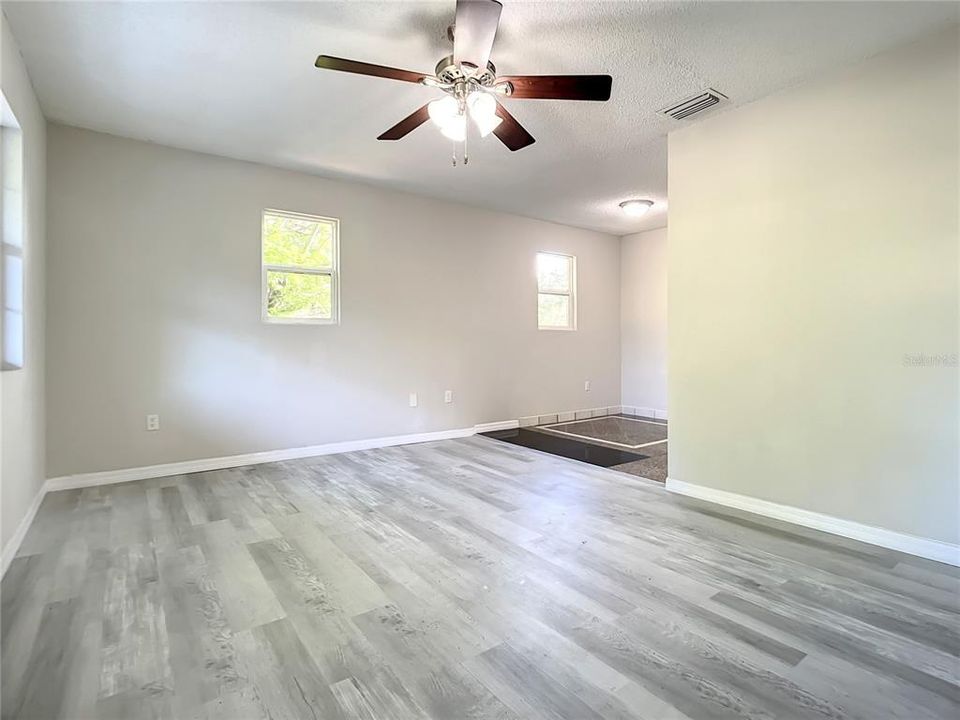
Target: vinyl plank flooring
x=459, y=579
x=169, y=517
x=42, y=694
x=677, y=684
x=453, y=692
x=939, y=677
x=572, y=681
x=134, y=640
x=839, y=630
x=386, y=692
x=656, y=628
x=375, y=695
x=290, y=684
x=412, y=644
x=201, y=646
x=246, y=596
x=51, y=524
x=355, y=700
x=24, y=592
x=522, y=685
x=306, y=603
x=901, y=619
x=129, y=517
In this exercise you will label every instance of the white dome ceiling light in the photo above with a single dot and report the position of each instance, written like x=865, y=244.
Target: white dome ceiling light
x=636, y=208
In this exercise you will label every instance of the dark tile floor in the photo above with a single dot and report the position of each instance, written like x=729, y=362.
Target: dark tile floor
x=627, y=433
x=607, y=441
x=652, y=467
x=567, y=447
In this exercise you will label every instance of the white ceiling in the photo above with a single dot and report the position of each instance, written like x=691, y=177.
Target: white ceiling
x=237, y=79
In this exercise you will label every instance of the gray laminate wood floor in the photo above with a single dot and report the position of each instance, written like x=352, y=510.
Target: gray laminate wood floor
x=459, y=579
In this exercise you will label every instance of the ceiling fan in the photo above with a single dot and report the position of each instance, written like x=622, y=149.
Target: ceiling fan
x=471, y=84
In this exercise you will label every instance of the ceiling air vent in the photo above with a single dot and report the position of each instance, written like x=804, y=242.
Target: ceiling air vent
x=694, y=105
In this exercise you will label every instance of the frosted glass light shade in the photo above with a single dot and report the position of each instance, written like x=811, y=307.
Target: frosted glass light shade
x=483, y=111
x=442, y=110
x=455, y=128
x=487, y=125
x=481, y=105
x=636, y=208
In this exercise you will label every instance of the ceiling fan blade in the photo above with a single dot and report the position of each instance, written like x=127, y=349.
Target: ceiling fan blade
x=474, y=31
x=511, y=133
x=408, y=124
x=560, y=87
x=328, y=62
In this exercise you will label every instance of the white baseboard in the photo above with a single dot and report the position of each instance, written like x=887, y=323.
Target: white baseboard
x=13, y=544
x=890, y=539
x=502, y=425
x=110, y=477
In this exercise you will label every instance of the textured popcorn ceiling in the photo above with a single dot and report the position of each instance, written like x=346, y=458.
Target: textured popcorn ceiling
x=237, y=79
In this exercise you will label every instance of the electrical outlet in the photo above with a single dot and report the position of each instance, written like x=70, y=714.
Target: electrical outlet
x=448, y=396
x=586, y=386
x=153, y=422
x=413, y=399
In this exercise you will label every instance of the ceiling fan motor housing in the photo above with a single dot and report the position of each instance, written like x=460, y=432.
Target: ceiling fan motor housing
x=447, y=71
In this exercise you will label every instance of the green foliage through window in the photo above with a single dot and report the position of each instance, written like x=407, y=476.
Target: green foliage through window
x=301, y=242
x=556, y=285
x=553, y=272
x=553, y=310
x=299, y=257
x=299, y=295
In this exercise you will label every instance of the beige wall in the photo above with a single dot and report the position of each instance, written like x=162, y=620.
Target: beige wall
x=22, y=391
x=643, y=320
x=813, y=248
x=155, y=308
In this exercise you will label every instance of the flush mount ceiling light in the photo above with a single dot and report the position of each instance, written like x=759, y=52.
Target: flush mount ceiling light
x=473, y=89
x=636, y=208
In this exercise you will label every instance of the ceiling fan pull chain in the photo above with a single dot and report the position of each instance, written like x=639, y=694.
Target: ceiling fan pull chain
x=454, y=154
x=466, y=158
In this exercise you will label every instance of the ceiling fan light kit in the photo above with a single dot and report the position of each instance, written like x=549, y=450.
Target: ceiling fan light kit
x=471, y=84
x=449, y=113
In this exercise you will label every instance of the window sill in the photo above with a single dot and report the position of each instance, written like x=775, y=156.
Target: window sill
x=299, y=321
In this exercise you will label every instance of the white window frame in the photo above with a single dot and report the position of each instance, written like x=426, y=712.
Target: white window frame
x=333, y=271
x=571, y=293
x=13, y=260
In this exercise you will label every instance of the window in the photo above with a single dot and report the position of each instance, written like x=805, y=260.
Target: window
x=556, y=291
x=11, y=220
x=300, y=263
